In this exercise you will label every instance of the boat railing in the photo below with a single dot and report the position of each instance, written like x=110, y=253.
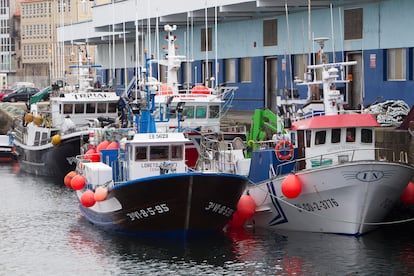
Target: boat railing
x=344, y=156
x=219, y=155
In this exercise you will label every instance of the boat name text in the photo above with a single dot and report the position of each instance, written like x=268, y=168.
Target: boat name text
x=317, y=205
x=158, y=136
x=219, y=208
x=148, y=212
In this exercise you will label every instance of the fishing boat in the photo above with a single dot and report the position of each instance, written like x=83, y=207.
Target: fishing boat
x=200, y=107
x=7, y=151
x=139, y=184
x=330, y=173
x=49, y=136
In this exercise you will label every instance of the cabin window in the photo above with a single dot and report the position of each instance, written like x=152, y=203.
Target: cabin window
x=188, y=112
x=177, y=152
x=101, y=108
x=44, y=138
x=140, y=153
x=112, y=107
x=350, y=134
x=201, y=112
x=320, y=137
x=336, y=135
x=366, y=135
x=172, y=112
x=158, y=153
x=213, y=111
x=79, y=108
x=308, y=138
x=37, y=138
x=90, y=107
x=67, y=109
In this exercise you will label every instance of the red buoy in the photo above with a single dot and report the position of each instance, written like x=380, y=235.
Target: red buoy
x=408, y=195
x=246, y=206
x=92, y=155
x=78, y=182
x=87, y=198
x=68, y=178
x=291, y=186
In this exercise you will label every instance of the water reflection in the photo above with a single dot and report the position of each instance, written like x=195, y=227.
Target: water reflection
x=43, y=233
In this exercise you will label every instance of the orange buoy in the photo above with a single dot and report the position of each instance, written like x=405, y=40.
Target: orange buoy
x=200, y=89
x=87, y=198
x=56, y=139
x=78, y=182
x=291, y=186
x=68, y=178
x=113, y=145
x=38, y=120
x=102, y=145
x=165, y=90
x=408, y=195
x=92, y=155
x=100, y=193
x=28, y=118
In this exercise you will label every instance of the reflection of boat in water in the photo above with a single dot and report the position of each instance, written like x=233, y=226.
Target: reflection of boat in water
x=7, y=151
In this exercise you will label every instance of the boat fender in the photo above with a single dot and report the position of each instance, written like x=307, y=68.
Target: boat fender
x=281, y=146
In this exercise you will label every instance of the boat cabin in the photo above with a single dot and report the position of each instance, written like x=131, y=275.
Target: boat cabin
x=350, y=136
x=82, y=107
x=152, y=154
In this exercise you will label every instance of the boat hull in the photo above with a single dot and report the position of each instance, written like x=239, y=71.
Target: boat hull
x=351, y=198
x=171, y=204
x=49, y=160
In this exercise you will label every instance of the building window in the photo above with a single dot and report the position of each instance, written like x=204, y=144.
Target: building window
x=206, y=36
x=187, y=74
x=230, y=71
x=353, y=24
x=300, y=63
x=396, y=64
x=270, y=32
x=207, y=74
x=245, y=69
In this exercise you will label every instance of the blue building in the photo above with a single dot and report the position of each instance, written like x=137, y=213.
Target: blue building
x=261, y=46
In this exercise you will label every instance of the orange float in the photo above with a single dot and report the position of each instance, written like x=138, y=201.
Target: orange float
x=68, y=178
x=200, y=89
x=100, y=194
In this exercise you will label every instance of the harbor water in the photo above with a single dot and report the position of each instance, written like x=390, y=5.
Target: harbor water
x=43, y=233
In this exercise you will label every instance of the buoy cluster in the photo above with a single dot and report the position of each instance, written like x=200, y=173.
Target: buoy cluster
x=88, y=198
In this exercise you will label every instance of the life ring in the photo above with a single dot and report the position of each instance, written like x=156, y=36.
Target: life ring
x=283, y=145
